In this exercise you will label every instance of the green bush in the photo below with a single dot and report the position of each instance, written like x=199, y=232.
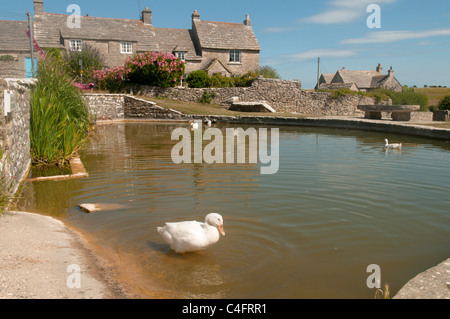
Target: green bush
x=92, y=59
x=207, y=97
x=155, y=69
x=220, y=81
x=6, y=57
x=198, y=79
x=59, y=117
x=444, y=104
x=245, y=79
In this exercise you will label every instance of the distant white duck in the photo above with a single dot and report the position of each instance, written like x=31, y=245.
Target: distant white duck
x=194, y=125
x=192, y=236
x=395, y=145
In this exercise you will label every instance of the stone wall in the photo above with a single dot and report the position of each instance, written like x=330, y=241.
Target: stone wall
x=122, y=106
x=15, y=133
x=284, y=96
x=105, y=106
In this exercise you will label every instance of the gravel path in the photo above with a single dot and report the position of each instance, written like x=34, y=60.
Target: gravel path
x=40, y=258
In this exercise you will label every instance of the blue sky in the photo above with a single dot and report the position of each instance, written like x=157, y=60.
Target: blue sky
x=414, y=37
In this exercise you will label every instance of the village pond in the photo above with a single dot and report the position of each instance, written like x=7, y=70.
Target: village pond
x=338, y=203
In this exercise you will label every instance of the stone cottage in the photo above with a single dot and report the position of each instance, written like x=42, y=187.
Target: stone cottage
x=15, y=53
x=363, y=81
x=231, y=49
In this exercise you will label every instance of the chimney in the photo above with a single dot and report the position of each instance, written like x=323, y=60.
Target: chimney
x=391, y=72
x=195, y=15
x=147, y=16
x=38, y=7
x=379, y=68
x=247, y=21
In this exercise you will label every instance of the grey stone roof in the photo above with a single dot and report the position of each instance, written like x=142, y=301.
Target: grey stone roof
x=337, y=86
x=225, y=35
x=327, y=77
x=51, y=28
x=363, y=79
x=170, y=40
x=13, y=36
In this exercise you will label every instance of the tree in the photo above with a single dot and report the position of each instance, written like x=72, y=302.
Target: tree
x=444, y=104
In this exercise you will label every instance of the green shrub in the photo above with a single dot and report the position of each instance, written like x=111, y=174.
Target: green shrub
x=220, y=81
x=6, y=57
x=444, y=104
x=92, y=59
x=198, y=79
x=155, y=69
x=59, y=117
x=245, y=79
x=207, y=97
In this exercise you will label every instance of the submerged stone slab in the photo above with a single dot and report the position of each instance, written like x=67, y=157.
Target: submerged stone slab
x=92, y=208
x=256, y=106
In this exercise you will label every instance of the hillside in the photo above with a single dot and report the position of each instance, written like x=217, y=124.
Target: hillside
x=434, y=94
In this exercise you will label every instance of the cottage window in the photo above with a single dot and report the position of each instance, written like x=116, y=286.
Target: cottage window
x=76, y=45
x=181, y=56
x=126, y=47
x=235, y=56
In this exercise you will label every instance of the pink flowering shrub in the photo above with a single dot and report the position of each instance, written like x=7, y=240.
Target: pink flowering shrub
x=113, y=80
x=155, y=69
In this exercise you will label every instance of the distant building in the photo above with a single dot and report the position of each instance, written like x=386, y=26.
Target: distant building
x=363, y=81
x=15, y=55
x=217, y=47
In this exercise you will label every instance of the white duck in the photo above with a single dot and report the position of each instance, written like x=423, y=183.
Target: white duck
x=194, y=125
x=395, y=145
x=192, y=236
x=207, y=122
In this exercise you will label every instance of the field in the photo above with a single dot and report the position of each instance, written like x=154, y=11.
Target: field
x=434, y=94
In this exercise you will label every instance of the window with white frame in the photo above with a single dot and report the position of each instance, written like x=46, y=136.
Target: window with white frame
x=181, y=56
x=76, y=45
x=126, y=47
x=235, y=56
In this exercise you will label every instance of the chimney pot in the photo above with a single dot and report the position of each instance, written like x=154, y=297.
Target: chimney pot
x=147, y=16
x=38, y=7
x=196, y=15
x=247, y=20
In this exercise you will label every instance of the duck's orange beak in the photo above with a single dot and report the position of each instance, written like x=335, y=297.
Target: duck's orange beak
x=220, y=228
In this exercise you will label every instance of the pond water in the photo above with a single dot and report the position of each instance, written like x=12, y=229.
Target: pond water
x=338, y=203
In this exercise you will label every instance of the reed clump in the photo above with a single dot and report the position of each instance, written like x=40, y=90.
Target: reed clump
x=59, y=116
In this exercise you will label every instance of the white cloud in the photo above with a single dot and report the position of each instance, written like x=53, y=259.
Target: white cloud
x=323, y=53
x=393, y=36
x=343, y=11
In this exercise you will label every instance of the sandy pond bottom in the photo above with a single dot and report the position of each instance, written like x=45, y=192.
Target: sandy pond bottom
x=339, y=203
